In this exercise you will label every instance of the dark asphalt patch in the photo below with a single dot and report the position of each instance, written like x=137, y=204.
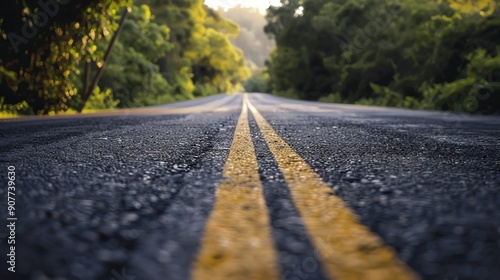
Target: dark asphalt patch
x=85, y=201
x=169, y=251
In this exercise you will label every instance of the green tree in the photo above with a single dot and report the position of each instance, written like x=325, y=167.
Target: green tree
x=132, y=73
x=42, y=44
x=202, y=60
x=394, y=53
x=168, y=50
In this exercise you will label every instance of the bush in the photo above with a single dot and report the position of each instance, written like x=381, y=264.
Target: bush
x=100, y=100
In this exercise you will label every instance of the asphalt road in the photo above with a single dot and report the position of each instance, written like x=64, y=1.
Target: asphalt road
x=253, y=187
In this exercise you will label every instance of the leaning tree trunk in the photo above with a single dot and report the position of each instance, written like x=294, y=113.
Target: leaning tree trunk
x=88, y=89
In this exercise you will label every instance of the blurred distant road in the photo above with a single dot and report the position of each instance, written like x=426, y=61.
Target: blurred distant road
x=252, y=186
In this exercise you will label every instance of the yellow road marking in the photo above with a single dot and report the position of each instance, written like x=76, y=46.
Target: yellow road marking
x=237, y=243
x=347, y=249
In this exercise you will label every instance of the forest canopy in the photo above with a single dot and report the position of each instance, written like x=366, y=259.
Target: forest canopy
x=427, y=54
x=66, y=56
x=167, y=50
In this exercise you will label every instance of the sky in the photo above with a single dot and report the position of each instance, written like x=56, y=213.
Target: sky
x=260, y=4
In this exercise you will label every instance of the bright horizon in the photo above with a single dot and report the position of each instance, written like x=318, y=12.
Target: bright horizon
x=262, y=5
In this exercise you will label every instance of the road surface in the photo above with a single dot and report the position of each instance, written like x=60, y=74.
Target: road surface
x=252, y=186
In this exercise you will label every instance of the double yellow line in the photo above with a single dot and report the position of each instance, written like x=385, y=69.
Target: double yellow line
x=237, y=243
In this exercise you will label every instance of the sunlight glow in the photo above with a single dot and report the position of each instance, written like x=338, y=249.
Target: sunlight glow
x=262, y=5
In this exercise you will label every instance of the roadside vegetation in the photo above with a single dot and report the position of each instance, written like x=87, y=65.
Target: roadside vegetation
x=168, y=50
x=428, y=54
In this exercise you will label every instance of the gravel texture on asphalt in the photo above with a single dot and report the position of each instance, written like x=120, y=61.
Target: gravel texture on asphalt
x=429, y=187
x=111, y=197
x=90, y=190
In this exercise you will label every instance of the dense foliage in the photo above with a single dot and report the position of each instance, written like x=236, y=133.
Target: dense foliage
x=202, y=60
x=43, y=44
x=168, y=50
x=423, y=54
x=431, y=54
